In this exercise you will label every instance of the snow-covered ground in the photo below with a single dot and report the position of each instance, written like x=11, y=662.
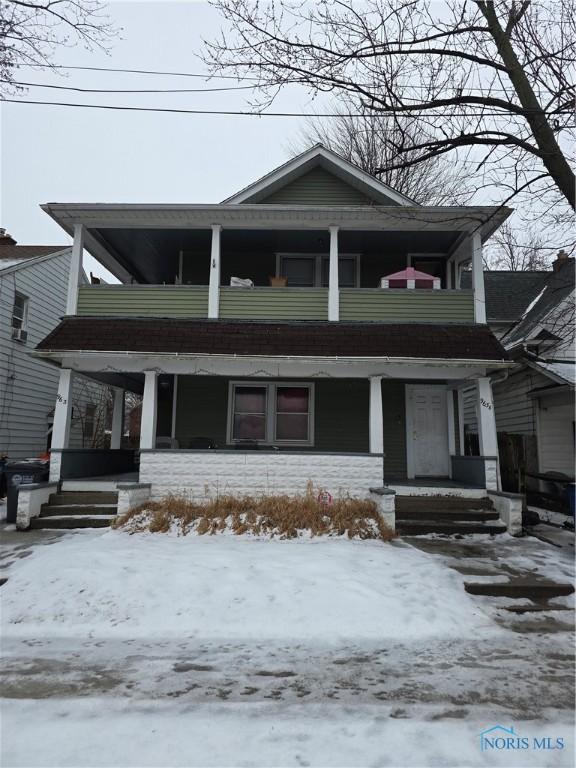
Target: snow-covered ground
x=154, y=650
x=225, y=586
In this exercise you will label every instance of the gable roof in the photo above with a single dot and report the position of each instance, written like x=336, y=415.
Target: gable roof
x=318, y=156
x=558, y=286
x=508, y=294
x=14, y=256
x=560, y=371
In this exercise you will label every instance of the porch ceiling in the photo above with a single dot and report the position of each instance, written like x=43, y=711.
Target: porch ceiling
x=134, y=223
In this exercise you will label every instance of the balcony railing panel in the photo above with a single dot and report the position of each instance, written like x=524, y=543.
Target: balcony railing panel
x=394, y=305
x=274, y=303
x=144, y=300
x=404, y=306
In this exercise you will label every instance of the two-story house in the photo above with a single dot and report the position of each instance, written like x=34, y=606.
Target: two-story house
x=310, y=328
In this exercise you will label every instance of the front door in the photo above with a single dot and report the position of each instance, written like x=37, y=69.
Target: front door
x=427, y=431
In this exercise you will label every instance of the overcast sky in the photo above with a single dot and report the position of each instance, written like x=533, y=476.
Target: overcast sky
x=58, y=154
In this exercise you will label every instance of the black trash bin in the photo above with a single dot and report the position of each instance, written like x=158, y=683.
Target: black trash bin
x=24, y=472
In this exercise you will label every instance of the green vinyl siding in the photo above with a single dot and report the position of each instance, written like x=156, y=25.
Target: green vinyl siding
x=342, y=417
x=341, y=412
x=143, y=300
x=264, y=303
x=274, y=303
x=394, y=410
x=317, y=187
x=406, y=306
x=202, y=409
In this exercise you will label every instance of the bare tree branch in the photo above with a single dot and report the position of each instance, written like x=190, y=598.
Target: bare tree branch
x=476, y=75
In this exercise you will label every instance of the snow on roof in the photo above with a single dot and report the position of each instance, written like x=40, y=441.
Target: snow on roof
x=5, y=263
x=562, y=370
x=534, y=302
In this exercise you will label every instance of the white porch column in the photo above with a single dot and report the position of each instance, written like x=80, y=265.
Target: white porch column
x=478, y=278
x=487, y=435
x=376, y=415
x=214, y=287
x=451, y=422
x=333, y=288
x=63, y=410
x=149, y=406
x=117, y=419
x=487, y=432
x=75, y=270
x=461, y=452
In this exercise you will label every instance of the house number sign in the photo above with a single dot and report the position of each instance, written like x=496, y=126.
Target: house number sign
x=486, y=404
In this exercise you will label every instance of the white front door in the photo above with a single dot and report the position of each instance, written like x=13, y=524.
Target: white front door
x=427, y=431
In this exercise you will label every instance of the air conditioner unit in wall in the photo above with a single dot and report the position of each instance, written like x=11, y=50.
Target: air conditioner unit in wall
x=19, y=334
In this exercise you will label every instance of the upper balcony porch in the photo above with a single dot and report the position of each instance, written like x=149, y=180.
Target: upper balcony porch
x=303, y=264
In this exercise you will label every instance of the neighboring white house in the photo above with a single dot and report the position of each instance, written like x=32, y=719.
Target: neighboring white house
x=533, y=315
x=33, y=287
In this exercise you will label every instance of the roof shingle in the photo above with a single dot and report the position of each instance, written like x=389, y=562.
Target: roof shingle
x=251, y=338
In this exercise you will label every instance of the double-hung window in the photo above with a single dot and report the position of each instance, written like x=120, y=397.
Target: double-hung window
x=271, y=414
x=20, y=312
x=311, y=270
x=20, y=318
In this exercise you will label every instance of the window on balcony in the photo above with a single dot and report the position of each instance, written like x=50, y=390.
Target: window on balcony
x=271, y=414
x=312, y=270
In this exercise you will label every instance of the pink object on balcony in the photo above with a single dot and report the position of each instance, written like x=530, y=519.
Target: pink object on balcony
x=410, y=276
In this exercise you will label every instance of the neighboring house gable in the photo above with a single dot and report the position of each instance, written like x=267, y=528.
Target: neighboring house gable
x=33, y=289
x=319, y=177
x=548, y=322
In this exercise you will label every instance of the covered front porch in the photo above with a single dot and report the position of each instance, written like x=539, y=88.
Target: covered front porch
x=215, y=427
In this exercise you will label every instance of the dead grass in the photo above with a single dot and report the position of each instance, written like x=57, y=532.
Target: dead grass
x=284, y=516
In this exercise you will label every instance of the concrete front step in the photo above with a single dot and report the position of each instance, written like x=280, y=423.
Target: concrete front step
x=80, y=521
x=83, y=497
x=448, y=515
x=425, y=527
x=532, y=590
x=442, y=503
x=61, y=510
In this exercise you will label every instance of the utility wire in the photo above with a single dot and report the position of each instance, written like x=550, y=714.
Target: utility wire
x=238, y=78
x=428, y=113
x=127, y=90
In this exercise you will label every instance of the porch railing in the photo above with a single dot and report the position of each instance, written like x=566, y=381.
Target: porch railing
x=264, y=303
x=401, y=305
x=143, y=300
x=274, y=303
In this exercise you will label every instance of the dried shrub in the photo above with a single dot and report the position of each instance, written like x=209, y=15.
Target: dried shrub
x=278, y=515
